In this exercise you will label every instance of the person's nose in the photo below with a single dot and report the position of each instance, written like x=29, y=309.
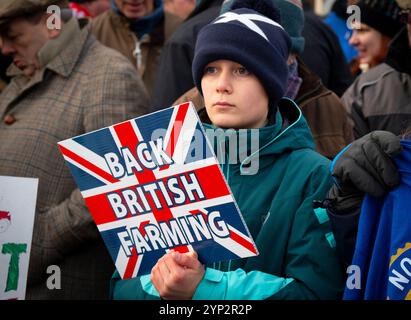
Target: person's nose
x=354, y=40
x=224, y=84
x=6, y=48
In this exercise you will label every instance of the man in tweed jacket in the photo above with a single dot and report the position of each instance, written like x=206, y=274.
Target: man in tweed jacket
x=64, y=83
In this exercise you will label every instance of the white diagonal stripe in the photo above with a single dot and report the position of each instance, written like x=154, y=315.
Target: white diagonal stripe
x=86, y=154
x=246, y=19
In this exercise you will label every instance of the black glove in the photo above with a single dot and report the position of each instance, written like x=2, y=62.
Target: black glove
x=365, y=167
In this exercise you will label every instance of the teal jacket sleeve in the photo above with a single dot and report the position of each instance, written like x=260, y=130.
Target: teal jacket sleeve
x=216, y=285
x=239, y=285
x=311, y=257
x=139, y=288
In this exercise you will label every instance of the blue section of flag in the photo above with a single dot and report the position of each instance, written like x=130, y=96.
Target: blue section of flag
x=154, y=126
x=84, y=180
x=112, y=241
x=199, y=149
x=209, y=251
x=100, y=142
x=149, y=260
x=229, y=214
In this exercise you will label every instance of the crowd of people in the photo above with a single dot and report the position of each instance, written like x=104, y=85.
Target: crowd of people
x=330, y=100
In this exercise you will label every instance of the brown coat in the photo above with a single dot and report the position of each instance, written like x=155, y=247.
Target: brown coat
x=85, y=86
x=113, y=31
x=2, y=85
x=329, y=123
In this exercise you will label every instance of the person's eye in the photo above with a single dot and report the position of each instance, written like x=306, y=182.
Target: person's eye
x=210, y=70
x=242, y=71
x=363, y=30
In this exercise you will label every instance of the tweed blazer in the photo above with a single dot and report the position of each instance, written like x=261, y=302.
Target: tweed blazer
x=113, y=31
x=86, y=86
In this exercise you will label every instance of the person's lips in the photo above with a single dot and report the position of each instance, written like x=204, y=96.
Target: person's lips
x=18, y=63
x=223, y=104
x=135, y=5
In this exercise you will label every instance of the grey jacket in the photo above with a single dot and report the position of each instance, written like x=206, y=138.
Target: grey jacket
x=380, y=99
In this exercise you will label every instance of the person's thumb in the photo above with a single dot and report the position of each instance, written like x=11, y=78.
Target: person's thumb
x=189, y=259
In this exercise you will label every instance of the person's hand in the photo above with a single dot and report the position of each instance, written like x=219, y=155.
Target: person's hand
x=176, y=275
x=366, y=166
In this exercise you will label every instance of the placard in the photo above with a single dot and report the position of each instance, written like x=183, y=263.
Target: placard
x=17, y=209
x=153, y=184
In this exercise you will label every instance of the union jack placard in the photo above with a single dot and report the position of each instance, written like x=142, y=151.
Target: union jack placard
x=153, y=184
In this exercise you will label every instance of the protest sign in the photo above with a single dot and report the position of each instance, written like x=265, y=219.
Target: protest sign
x=153, y=184
x=17, y=209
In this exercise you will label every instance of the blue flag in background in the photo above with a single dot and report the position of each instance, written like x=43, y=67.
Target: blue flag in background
x=383, y=247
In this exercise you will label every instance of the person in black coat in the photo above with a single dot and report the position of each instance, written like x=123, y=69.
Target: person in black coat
x=174, y=73
x=324, y=56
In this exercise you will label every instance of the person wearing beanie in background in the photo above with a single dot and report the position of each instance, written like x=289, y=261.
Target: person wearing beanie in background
x=323, y=110
x=383, y=101
x=380, y=22
x=240, y=66
x=63, y=83
x=374, y=232
x=380, y=99
x=138, y=29
x=88, y=8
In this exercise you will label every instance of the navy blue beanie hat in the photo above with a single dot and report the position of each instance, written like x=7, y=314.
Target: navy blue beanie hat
x=251, y=39
x=382, y=15
x=292, y=17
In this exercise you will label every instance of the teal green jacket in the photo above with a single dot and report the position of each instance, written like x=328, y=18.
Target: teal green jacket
x=297, y=257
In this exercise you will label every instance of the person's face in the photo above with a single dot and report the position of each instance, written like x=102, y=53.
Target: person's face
x=22, y=41
x=180, y=8
x=135, y=9
x=372, y=45
x=234, y=98
x=99, y=6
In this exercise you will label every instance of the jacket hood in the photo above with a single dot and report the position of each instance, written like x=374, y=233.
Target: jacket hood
x=290, y=132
